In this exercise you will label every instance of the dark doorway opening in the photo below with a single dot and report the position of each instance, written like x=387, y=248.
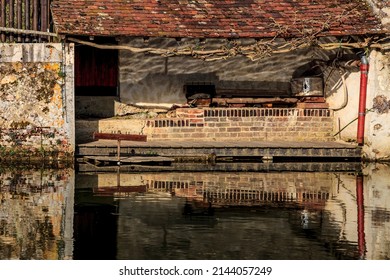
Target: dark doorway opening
x=96, y=70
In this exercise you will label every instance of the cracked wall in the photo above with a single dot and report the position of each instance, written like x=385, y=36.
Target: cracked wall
x=377, y=126
x=36, y=93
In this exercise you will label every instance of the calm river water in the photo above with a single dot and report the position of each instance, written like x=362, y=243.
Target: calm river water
x=291, y=215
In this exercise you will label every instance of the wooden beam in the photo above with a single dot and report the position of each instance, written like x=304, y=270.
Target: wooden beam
x=3, y=20
x=11, y=19
x=44, y=13
x=19, y=18
x=27, y=17
x=119, y=136
x=249, y=100
x=35, y=15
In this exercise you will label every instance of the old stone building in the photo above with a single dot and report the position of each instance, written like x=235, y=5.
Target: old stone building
x=222, y=70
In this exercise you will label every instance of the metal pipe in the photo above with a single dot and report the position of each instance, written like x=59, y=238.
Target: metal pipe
x=364, y=67
x=345, y=91
x=360, y=217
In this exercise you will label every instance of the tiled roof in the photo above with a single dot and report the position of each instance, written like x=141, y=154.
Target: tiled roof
x=214, y=18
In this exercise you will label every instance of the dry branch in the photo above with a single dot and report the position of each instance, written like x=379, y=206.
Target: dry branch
x=255, y=51
x=260, y=49
x=23, y=31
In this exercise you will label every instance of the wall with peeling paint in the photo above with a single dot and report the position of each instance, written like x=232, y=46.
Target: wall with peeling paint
x=377, y=125
x=36, y=97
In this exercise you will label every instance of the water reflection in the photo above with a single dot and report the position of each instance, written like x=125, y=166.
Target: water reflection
x=36, y=214
x=239, y=215
x=195, y=215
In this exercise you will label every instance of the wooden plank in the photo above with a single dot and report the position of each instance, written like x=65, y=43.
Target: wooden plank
x=129, y=160
x=27, y=17
x=119, y=136
x=11, y=19
x=35, y=15
x=2, y=18
x=312, y=105
x=119, y=190
x=140, y=160
x=250, y=100
x=19, y=18
x=44, y=15
x=250, y=92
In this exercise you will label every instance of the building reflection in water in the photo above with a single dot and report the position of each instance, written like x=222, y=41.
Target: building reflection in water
x=53, y=214
x=36, y=214
x=221, y=215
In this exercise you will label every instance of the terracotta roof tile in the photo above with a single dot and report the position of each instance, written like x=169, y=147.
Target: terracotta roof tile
x=214, y=18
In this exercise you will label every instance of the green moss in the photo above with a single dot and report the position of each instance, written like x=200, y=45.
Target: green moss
x=19, y=155
x=19, y=125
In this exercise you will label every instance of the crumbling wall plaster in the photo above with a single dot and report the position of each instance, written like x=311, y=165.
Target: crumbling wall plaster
x=36, y=97
x=377, y=126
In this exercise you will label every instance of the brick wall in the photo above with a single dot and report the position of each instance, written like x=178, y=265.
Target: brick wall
x=243, y=124
x=245, y=188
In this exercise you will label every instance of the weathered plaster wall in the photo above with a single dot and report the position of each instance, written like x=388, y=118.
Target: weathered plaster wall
x=36, y=91
x=156, y=79
x=377, y=125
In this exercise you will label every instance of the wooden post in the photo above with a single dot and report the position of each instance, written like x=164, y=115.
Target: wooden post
x=3, y=20
x=35, y=15
x=119, y=152
x=11, y=19
x=27, y=17
x=19, y=18
x=44, y=17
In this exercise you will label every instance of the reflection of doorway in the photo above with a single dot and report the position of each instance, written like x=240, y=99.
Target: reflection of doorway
x=96, y=79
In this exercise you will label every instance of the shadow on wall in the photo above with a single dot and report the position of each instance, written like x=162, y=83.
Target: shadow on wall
x=152, y=78
x=331, y=71
x=95, y=106
x=85, y=129
x=167, y=88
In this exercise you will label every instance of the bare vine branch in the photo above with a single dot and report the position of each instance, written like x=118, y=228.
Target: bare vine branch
x=308, y=31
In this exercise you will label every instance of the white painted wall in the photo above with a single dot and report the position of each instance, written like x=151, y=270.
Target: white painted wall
x=377, y=124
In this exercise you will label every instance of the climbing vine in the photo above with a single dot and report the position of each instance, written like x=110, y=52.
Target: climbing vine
x=300, y=34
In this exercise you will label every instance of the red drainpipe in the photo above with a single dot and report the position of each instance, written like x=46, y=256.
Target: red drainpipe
x=360, y=217
x=364, y=67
